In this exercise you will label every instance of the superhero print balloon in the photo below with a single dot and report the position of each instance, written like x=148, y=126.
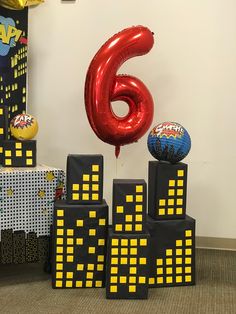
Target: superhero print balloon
x=103, y=85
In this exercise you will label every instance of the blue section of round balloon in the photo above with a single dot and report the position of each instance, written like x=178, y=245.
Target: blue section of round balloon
x=169, y=141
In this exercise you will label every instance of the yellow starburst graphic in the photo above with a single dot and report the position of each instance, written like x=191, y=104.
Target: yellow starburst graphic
x=10, y=192
x=50, y=176
x=41, y=193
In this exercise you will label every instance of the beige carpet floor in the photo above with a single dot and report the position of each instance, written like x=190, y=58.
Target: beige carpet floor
x=26, y=289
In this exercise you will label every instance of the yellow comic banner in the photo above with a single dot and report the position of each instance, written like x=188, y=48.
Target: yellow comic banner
x=19, y=4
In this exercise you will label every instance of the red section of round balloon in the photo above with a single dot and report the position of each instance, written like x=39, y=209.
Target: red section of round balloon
x=103, y=85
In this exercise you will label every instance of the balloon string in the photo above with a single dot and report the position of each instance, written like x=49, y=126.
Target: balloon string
x=116, y=167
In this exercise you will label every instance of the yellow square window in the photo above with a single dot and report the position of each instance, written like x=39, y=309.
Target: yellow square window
x=169, y=279
x=188, y=242
x=141, y=279
x=161, y=211
x=134, y=242
x=133, y=251
x=123, y=279
x=188, y=270
x=79, y=222
x=115, y=242
x=1, y=131
x=1, y=149
x=58, y=283
x=90, y=267
x=128, y=227
x=80, y=267
x=180, y=192
x=123, y=260
x=69, y=274
x=179, y=211
x=179, y=201
x=129, y=198
x=139, y=188
x=86, y=177
x=133, y=261
x=128, y=217
x=1, y=111
x=159, y=261
x=114, y=261
x=132, y=279
x=89, y=283
x=113, y=279
x=138, y=208
x=113, y=289
x=18, y=145
x=180, y=173
x=188, y=233
x=95, y=178
x=59, y=241
x=70, y=241
x=179, y=260
x=159, y=271
x=75, y=187
x=138, y=227
x=95, y=187
x=133, y=270
x=85, y=196
x=139, y=198
x=142, y=261
x=92, y=214
x=29, y=153
x=95, y=196
x=114, y=251
x=119, y=209
x=75, y=196
x=102, y=222
x=29, y=161
x=60, y=232
x=124, y=242
x=60, y=212
x=59, y=266
x=70, y=232
x=170, y=211
x=118, y=227
x=85, y=187
x=179, y=279
x=159, y=280
x=70, y=258
x=59, y=275
x=59, y=258
x=60, y=222
x=89, y=275
x=101, y=242
x=91, y=250
x=188, y=260
x=92, y=232
x=179, y=242
x=169, y=270
x=138, y=217
x=188, y=251
x=78, y=284
x=162, y=202
x=169, y=261
x=188, y=278
x=8, y=162
x=171, y=192
x=143, y=242
x=180, y=182
x=171, y=182
x=100, y=258
x=169, y=252
x=179, y=270
x=8, y=153
x=95, y=168
x=18, y=153
x=151, y=281
x=114, y=270
x=79, y=241
x=179, y=251
x=171, y=202
x=124, y=251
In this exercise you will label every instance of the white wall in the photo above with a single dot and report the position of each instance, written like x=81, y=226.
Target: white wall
x=191, y=73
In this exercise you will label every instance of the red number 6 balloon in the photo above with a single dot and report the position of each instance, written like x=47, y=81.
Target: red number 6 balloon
x=103, y=86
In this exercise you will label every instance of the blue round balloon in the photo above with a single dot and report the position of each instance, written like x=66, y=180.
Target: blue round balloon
x=169, y=141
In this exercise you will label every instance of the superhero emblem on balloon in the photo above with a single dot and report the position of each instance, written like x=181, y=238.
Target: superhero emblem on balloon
x=24, y=127
x=169, y=141
x=103, y=86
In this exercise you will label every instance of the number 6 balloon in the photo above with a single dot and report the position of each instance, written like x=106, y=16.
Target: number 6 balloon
x=103, y=85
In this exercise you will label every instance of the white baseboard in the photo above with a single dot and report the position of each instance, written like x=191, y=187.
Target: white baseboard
x=216, y=243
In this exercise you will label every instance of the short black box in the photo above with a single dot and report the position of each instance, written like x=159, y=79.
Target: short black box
x=19, y=153
x=84, y=179
x=127, y=268
x=172, y=253
x=167, y=189
x=129, y=206
x=79, y=245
